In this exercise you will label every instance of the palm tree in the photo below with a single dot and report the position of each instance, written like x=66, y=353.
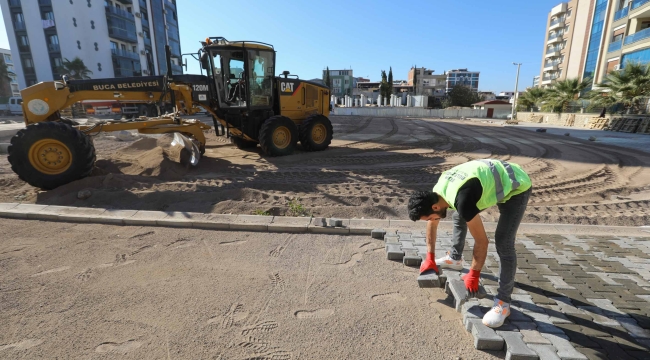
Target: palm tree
x=629, y=87
x=532, y=98
x=564, y=92
x=75, y=69
x=5, y=79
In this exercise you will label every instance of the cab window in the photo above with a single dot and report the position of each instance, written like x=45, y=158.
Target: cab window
x=261, y=77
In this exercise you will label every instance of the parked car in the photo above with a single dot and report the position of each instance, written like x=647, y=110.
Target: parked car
x=13, y=107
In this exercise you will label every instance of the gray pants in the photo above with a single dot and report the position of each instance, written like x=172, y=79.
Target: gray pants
x=512, y=211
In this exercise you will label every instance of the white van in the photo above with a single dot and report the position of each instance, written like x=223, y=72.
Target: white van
x=13, y=107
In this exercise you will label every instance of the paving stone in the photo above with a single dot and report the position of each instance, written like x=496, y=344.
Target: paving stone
x=575, y=334
x=419, y=242
x=545, y=352
x=628, y=343
x=594, y=354
x=394, y=252
x=460, y=293
x=555, y=314
x=407, y=245
x=546, y=328
x=471, y=310
x=429, y=279
x=639, y=355
x=633, y=327
x=378, y=233
x=391, y=240
x=599, y=316
x=534, y=337
x=411, y=258
x=485, y=338
x=516, y=348
x=525, y=325
x=319, y=221
x=565, y=350
x=333, y=222
x=613, y=350
x=606, y=305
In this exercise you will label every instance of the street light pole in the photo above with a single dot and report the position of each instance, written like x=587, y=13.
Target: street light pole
x=514, y=102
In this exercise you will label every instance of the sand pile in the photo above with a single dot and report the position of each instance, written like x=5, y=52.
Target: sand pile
x=150, y=157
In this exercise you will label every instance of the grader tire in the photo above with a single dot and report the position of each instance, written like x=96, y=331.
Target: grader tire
x=278, y=136
x=316, y=133
x=243, y=144
x=49, y=154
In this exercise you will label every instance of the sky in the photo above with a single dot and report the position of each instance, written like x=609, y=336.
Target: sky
x=370, y=36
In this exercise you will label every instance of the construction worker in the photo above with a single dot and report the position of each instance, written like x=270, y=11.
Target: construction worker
x=470, y=188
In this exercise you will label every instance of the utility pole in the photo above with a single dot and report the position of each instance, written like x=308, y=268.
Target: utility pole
x=514, y=102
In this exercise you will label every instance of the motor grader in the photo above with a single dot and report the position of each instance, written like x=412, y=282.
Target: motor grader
x=239, y=89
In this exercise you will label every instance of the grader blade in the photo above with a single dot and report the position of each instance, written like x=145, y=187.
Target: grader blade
x=190, y=154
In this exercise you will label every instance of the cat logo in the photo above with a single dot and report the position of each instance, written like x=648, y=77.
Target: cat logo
x=286, y=87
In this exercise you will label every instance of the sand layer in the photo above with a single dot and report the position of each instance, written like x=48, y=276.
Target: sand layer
x=369, y=171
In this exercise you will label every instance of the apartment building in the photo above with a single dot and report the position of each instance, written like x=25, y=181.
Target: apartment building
x=428, y=83
x=462, y=77
x=626, y=35
x=343, y=81
x=565, y=44
x=114, y=38
x=11, y=71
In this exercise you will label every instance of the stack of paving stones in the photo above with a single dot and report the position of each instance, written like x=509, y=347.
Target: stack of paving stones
x=575, y=297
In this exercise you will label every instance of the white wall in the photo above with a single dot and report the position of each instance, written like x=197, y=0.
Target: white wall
x=32, y=14
x=411, y=111
x=13, y=44
x=64, y=12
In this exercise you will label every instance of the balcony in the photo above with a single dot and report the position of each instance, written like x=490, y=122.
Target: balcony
x=621, y=14
x=552, y=54
x=53, y=47
x=14, y=3
x=147, y=41
x=45, y=2
x=177, y=69
x=638, y=3
x=145, y=22
x=143, y=4
x=638, y=36
x=122, y=34
x=615, y=46
x=170, y=4
x=24, y=48
x=560, y=9
x=126, y=72
x=125, y=2
x=555, y=39
x=125, y=54
x=19, y=25
x=119, y=12
x=557, y=24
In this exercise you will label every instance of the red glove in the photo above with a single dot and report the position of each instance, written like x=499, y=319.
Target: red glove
x=429, y=264
x=471, y=280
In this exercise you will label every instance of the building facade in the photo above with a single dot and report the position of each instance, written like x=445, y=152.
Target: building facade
x=113, y=38
x=343, y=82
x=462, y=77
x=625, y=35
x=11, y=71
x=428, y=83
x=587, y=39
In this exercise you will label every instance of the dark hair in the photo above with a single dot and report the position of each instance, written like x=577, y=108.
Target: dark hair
x=420, y=204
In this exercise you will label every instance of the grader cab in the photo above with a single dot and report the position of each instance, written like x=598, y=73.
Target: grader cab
x=239, y=89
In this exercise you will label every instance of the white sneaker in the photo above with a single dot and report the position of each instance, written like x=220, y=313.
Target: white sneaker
x=446, y=262
x=495, y=317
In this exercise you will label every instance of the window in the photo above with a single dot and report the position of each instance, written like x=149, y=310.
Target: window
x=113, y=45
x=618, y=37
x=128, y=9
x=7, y=58
x=117, y=6
x=261, y=77
x=48, y=15
x=23, y=40
x=28, y=63
x=123, y=47
x=107, y=3
x=53, y=39
x=135, y=48
x=347, y=82
x=57, y=61
x=336, y=82
x=18, y=17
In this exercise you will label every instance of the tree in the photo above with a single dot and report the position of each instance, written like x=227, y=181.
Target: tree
x=564, y=92
x=328, y=81
x=533, y=97
x=75, y=69
x=390, y=79
x=5, y=80
x=463, y=96
x=415, y=80
x=629, y=87
x=384, y=87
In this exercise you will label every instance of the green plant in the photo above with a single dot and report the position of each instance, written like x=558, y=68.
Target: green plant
x=533, y=97
x=296, y=208
x=75, y=69
x=564, y=92
x=261, y=212
x=629, y=87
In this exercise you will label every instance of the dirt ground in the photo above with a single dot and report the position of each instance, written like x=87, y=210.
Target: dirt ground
x=369, y=171
x=72, y=291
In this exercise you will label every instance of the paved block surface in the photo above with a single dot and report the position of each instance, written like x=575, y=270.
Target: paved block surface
x=378, y=234
x=485, y=338
x=590, y=293
x=429, y=279
x=516, y=348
